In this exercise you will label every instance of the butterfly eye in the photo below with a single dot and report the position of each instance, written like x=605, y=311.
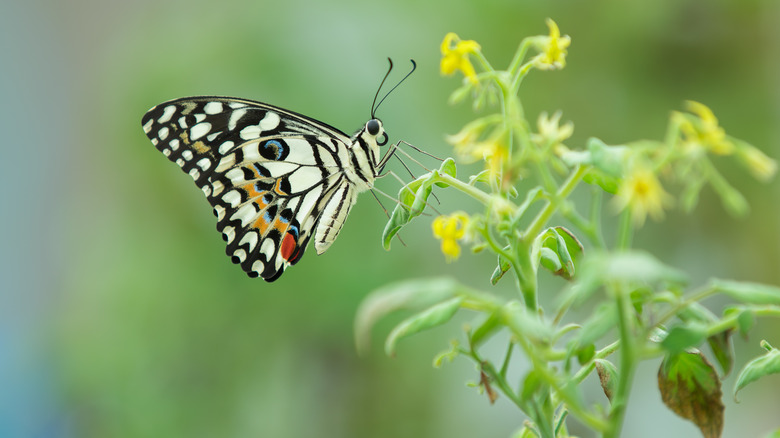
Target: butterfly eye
x=373, y=126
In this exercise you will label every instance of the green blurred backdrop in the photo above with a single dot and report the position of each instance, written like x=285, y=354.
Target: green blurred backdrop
x=120, y=315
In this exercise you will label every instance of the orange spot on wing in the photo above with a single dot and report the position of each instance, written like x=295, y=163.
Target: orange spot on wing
x=252, y=192
x=278, y=187
x=261, y=225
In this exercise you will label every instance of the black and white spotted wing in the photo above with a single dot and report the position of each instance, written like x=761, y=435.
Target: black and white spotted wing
x=275, y=178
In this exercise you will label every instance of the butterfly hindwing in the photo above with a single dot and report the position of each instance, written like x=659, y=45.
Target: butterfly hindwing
x=269, y=174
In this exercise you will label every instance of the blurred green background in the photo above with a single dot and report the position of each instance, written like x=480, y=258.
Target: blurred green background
x=120, y=315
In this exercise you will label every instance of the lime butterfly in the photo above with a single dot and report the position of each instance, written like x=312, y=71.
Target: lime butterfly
x=275, y=178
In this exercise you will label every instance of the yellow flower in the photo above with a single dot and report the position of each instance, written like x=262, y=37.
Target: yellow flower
x=465, y=140
x=550, y=130
x=704, y=130
x=455, y=56
x=469, y=148
x=642, y=193
x=761, y=166
x=450, y=229
x=553, y=48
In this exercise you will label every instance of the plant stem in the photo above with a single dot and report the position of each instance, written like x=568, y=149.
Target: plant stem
x=627, y=363
x=552, y=206
x=466, y=188
x=625, y=231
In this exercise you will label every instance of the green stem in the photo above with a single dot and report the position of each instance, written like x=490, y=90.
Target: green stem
x=525, y=271
x=625, y=231
x=514, y=66
x=466, y=188
x=552, y=206
x=627, y=364
x=585, y=371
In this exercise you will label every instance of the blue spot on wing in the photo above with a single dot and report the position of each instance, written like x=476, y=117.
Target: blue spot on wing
x=273, y=150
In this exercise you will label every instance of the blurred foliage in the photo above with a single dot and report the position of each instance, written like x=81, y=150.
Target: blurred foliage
x=141, y=326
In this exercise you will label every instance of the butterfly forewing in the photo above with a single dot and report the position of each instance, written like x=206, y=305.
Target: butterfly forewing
x=270, y=174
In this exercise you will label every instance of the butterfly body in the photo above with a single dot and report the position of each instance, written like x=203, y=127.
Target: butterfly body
x=275, y=178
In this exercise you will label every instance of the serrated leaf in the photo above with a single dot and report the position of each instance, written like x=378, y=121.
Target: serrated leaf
x=690, y=387
x=608, y=376
x=749, y=293
x=432, y=317
x=759, y=367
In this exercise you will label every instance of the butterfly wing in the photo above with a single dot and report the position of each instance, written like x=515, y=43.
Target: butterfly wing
x=269, y=173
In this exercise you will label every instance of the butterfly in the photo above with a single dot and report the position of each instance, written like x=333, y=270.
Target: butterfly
x=275, y=178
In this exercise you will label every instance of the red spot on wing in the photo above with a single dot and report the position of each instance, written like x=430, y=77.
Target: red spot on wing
x=289, y=248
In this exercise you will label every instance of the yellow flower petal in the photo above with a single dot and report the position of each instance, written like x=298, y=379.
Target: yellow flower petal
x=704, y=130
x=642, y=193
x=553, y=48
x=455, y=56
x=450, y=229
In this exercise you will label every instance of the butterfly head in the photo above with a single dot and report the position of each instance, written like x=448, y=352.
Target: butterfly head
x=376, y=131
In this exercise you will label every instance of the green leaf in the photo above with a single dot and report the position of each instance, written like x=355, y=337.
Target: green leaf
x=720, y=344
x=685, y=336
x=774, y=434
x=609, y=159
x=558, y=250
x=602, y=320
x=745, y=322
x=550, y=260
x=757, y=368
x=398, y=219
x=503, y=266
x=532, y=384
x=487, y=328
x=629, y=267
x=432, y=317
x=412, y=200
x=690, y=387
x=749, y=293
x=696, y=312
x=407, y=295
x=608, y=376
x=607, y=183
x=447, y=168
x=585, y=353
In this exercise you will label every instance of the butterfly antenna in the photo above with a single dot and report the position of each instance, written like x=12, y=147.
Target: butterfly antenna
x=374, y=108
x=373, y=104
